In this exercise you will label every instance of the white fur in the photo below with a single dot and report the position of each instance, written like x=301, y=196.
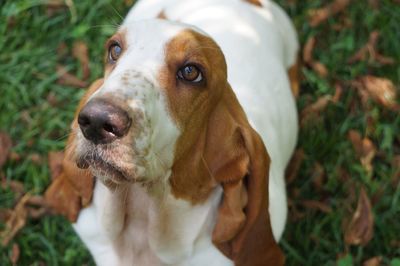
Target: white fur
x=259, y=44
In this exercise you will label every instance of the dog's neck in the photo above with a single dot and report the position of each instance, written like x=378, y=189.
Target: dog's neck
x=149, y=225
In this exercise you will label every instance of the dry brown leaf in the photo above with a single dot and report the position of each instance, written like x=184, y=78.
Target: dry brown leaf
x=316, y=205
x=308, y=50
x=16, y=221
x=338, y=93
x=129, y=2
x=294, y=165
x=396, y=166
x=360, y=230
x=378, y=89
x=36, y=158
x=369, y=52
x=315, y=108
x=374, y=4
x=320, y=69
x=375, y=261
x=5, y=147
x=318, y=176
x=55, y=6
x=15, y=252
x=65, y=78
x=80, y=52
x=318, y=16
x=308, y=59
x=365, y=149
x=55, y=163
x=294, y=214
x=5, y=214
x=381, y=90
x=52, y=99
x=34, y=206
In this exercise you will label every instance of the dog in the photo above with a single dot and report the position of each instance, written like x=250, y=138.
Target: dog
x=177, y=155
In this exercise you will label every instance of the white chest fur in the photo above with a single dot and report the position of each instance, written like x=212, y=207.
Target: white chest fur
x=130, y=227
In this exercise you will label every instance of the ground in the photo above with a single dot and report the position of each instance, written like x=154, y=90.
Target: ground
x=349, y=140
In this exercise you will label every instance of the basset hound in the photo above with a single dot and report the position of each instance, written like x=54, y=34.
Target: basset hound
x=177, y=155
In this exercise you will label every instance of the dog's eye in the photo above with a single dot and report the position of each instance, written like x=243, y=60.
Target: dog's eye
x=190, y=73
x=114, y=52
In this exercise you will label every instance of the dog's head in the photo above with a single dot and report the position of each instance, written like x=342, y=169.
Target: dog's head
x=161, y=80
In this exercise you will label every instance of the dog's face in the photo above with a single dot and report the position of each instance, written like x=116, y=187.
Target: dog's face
x=160, y=84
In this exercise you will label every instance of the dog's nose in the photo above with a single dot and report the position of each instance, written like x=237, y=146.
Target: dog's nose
x=103, y=122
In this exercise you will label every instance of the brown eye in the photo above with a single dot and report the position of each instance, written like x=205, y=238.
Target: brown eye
x=190, y=73
x=114, y=52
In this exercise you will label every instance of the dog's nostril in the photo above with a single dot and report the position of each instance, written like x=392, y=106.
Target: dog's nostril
x=83, y=120
x=109, y=128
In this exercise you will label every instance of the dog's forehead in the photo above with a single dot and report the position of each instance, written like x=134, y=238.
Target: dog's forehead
x=146, y=40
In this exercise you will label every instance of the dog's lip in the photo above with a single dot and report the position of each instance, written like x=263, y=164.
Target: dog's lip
x=98, y=163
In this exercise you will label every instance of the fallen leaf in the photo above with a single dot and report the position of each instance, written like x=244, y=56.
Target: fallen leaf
x=5, y=147
x=55, y=163
x=16, y=221
x=4, y=214
x=294, y=165
x=65, y=78
x=318, y=176
x=375, y=261
x=129, y=2
x=308, y=50
x=294, y=214
x=55, y=6
x=36, y=158
x=80, y=52
x=378, y=89
x=396, y=166
x=28, y=206
x=320, y=69
x=15, y=252
x=338, y=93
x=369, y=52
x=318, y=16
x=308, y=59
x=52, y=99
x=315, y=108
x=365, y=149
x=374, y=4
x=316, y=205
x=360, y=230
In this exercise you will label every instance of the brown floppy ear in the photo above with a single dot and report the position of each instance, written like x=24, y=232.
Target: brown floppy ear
x=72, y=190
x=238, y=160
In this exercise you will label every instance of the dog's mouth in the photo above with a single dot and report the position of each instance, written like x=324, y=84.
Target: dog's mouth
x=103, y=169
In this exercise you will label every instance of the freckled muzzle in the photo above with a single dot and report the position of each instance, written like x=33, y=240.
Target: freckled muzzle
x=101, y=121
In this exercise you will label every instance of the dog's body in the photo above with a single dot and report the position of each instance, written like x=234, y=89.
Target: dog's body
x=160, y=222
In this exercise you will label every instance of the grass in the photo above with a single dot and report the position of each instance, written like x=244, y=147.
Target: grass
x=28, y=58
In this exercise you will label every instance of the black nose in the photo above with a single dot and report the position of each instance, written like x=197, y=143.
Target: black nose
x=103, y=122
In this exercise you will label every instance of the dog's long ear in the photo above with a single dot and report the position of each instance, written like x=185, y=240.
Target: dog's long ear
x=238, y=160
x=73, y=188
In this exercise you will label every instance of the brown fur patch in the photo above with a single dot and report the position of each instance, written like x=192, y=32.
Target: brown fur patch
x=294, y=78
x=190, y=107
x=254, y=2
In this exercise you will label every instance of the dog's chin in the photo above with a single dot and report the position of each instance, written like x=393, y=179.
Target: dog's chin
x=106, y=171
